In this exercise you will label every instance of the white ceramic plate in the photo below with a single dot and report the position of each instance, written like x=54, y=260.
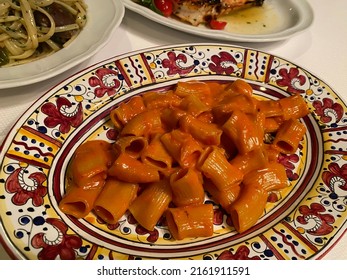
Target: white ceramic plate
x=307, y=220
x=280, y=20
x=102, y=20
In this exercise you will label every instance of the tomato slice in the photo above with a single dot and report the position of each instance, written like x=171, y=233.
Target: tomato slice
x=164, y=6
x=218, y=25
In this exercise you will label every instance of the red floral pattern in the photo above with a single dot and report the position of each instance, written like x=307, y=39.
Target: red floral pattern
x=320, y=224
x=328, y=109
x=336, y=177
x=242, y=253
x=223, y=63
x=106, y=81
x=174, y=64
x=290, y=79
x=58, y=114
x=109, y=226
x=218, y=216
x=288, y=162
x=22, y=191
x=112, y=134
x=153, y=235
x=63, y=246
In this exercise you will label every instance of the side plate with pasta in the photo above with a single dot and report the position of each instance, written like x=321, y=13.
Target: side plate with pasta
x=301, y=222
x=100, y=23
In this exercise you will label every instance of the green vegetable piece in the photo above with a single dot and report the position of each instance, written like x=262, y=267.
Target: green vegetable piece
x=3, y=57
x=150, y=4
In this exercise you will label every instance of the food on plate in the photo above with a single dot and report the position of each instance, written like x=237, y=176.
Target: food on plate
x=190, y=221
x=179, y=149
x=198, y=12
x=30, y=30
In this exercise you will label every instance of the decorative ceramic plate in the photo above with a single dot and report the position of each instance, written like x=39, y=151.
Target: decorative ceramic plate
x=102, y=20
x=304, y=223
x=275, y=20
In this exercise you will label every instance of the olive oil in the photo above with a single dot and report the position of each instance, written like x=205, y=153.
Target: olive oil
x=254, y=20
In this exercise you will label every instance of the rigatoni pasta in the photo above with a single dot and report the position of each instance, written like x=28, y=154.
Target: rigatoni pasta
x=151, y=204
x=190, y=221
x=196, y=140
x=126, y=111
x=248, y=207
x=114, y=200
x=129, y=169
x=187, y=188
x=86, y=181
x=243, y=131
x=214, y=165
x=78, y=201
x=289, y=136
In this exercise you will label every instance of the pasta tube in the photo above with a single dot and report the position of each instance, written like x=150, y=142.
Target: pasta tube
x=271, y=152
x=271, y=177
x=78, y=201
x=230, y=103
x=248, y=208
x=187, y=188
x=270, y=108
x=193, y=105
x=128, y=169
x=215, y=166
x=243, y=131
x=132, y=145
x=156, y=155
x=294, y=107
x=197, y=88
x=223, y=197
x=114, y=200
x=206, y=133
x=151, y=204
x=182, y=147
x=272, y=124
x=155, y=100
x=250, y=161
x=144, y=124
x=289, y=135
x=239, y=87
x=92, y=158
x=190, y=221
x=126, y=111
x=170, y=117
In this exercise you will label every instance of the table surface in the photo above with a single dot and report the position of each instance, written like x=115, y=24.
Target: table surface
x=321, y=49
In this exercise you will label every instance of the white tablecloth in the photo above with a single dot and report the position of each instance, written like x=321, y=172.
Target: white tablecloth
x=321, y=50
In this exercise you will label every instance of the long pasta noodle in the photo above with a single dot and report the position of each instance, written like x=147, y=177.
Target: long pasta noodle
x=30, y=30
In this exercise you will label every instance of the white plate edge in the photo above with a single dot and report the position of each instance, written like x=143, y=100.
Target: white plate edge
x=56, y=70
x=303, y=7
